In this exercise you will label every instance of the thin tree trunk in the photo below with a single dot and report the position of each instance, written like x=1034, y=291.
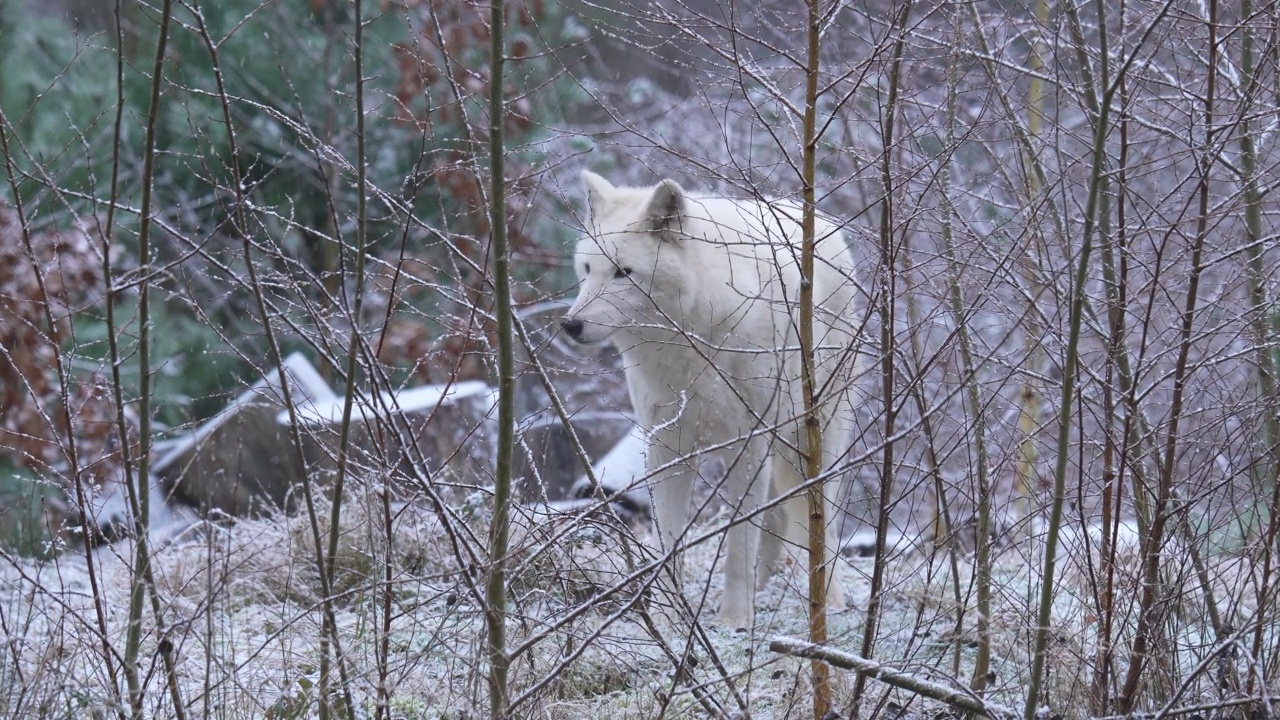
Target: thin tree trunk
x=140, y=493
x=495, y=610
x=1259, y=307
x=812, y=423
x=1151, y=557
x=887, y=349
x=1069, y=371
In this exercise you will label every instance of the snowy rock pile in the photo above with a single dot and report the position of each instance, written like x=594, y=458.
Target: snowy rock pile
x=243, y=461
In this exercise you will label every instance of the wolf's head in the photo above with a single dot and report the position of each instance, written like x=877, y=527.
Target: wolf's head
x=630, y=264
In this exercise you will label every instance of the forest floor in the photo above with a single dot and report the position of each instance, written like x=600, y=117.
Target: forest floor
x=241, y=607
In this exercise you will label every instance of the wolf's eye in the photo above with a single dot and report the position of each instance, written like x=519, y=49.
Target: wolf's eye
x=621, y=273
x=586, y=268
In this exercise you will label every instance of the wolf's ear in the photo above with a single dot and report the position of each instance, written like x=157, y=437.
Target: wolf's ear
x=600, y=192
x=666, y=207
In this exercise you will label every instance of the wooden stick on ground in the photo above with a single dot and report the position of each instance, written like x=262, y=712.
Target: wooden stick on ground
x=958, y=698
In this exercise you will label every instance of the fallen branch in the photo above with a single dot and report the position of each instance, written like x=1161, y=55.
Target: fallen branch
x=959, y=698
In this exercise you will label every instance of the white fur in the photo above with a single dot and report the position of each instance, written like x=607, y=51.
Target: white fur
x=707, y=321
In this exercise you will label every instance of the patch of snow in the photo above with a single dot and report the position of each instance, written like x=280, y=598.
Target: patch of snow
x=622, y=470
x=368, y=409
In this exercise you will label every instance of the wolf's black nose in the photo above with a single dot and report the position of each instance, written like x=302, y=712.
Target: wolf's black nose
x=573, y=326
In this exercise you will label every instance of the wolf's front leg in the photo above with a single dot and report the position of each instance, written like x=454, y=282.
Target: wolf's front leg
x=672, y=490
x=747, y=483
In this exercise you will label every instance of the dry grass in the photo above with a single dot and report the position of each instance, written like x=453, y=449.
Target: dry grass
x=242, y=603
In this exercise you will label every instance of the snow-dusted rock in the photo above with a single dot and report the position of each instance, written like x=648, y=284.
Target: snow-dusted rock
x=238, y=461
x=444, y=433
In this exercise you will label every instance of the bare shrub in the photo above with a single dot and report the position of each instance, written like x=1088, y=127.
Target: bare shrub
x=1062, y=492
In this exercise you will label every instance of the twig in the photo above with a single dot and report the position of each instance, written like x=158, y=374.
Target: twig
x=982, y=531
x=255, y=285
x=1189, y=709
x=357, y=303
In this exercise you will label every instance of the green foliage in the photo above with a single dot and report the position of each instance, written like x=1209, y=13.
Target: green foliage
x=23, y=518
x=288, y=71
x=196, y=372
x=283, y=65
x=56, y=93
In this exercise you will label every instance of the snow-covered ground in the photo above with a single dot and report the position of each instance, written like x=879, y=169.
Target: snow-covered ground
x=241, y=608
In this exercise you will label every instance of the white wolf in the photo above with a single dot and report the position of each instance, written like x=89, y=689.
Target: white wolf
x=701, y=296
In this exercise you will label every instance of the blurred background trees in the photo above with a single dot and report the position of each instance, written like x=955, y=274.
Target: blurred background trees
x=286, y=66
